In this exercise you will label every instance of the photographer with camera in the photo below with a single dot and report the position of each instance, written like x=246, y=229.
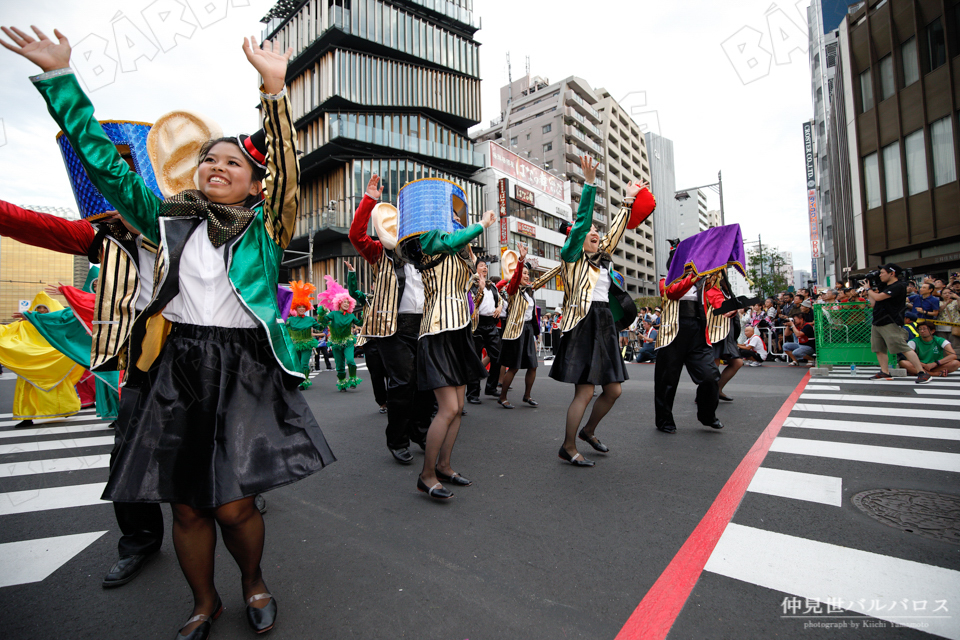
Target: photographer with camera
x=889, y=306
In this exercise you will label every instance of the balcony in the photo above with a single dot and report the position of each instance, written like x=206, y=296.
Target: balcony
x=342, y=128
x=591, y=128
x=578, y=103
x=573, y=132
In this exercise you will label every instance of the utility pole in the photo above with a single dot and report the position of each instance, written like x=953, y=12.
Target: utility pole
x=760, y=247
x=723, y=219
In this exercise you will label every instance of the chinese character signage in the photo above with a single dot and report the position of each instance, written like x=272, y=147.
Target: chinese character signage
x=503, y=186
x=811, y=189
x=526, y=229
x=516, y=167
x=523, y=195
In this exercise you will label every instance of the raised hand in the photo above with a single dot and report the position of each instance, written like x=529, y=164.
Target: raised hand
x=269, y=62
x=521, y=256
x=489, y=217
x=589, y=169
x=372, y=189
x=43, y=52
x=349, y=267
x=636, y=187
x=51, y=290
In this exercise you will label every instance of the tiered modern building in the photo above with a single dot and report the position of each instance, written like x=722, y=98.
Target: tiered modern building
x=892, y=138
x=385, y=87
x=552, y=125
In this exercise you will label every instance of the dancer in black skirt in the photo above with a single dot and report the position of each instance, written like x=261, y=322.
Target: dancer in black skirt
x=725, y=351
x=589, y=354
x=519, y=345
x=446, y=359
x=219, y=419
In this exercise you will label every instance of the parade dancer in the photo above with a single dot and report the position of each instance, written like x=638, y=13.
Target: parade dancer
x=446, y=357
x=301, y=327
x=341, y=320
x=519, y=349
x=727, y=349
x=589, y=353
x=252, y=432
x=486, y=312
x=391, y=322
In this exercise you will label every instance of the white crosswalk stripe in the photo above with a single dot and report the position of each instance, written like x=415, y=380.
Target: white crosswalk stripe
x=842, y=423
x=34, y=560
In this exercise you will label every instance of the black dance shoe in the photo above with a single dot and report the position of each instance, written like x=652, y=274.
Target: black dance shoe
x=23, y=424
x=126, y=569
x=463, y=412
x=474, y=400
x=456, y=478
x=437, y=491
x=594, y=442
x=576, y=460
x=202, y=632
x=667, y=428
x=403, y=456
x=505, y=404
x=531, y=402
x=716, y=424
x=262, y=620
x=725, y=398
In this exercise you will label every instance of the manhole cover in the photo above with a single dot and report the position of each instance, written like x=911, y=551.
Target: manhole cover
x=931, y=515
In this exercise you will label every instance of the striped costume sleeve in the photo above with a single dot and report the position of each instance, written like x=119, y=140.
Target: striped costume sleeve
x=282, y=187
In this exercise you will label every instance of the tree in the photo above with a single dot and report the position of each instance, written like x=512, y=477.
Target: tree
x=766, y=269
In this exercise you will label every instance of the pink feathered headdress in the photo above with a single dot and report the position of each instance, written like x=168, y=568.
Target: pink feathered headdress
x=334, y=295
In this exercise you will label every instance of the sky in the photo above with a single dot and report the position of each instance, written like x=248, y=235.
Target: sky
x=707, y=75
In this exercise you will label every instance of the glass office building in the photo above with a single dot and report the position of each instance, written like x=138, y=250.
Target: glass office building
x=385, y=87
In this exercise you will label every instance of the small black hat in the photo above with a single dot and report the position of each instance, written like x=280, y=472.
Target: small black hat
x=255, y=147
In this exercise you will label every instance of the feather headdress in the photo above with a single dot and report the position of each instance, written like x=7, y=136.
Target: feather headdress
x=334, y=295
x=302, y=295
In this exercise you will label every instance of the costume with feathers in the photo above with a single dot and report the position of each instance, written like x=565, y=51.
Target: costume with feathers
x=301, y=327
x=341, y=325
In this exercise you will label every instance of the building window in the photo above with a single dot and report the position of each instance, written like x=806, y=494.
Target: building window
x=871, y=179
x=908, y=59
x=547, y=128
x=528, y=136
x=866, y=90
x=548, y=147
x=936, y=46
x=941, y=139
x=916, y=162
x=513, y=141
x=548, y=165
x=888, y=84
x=893, y=180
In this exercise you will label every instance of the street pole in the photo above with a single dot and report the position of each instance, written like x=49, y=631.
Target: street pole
x=760, y=243
x=723, y=220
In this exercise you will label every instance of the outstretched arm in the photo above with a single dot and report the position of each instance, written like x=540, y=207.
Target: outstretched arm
x=44, y=230
x=369, y=248
x=434, y=242
x=573, y=247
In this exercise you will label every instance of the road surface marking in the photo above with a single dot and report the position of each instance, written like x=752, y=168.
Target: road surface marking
x=78, y=495
x=918, y=459
x=33, y=560
x=56, y=431
x=50, y=445
x=54, y=465
x=883, y=429
x=799, y=486
x=871, y=399
x=914, y=413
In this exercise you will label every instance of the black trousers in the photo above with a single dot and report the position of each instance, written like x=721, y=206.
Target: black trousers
x=408, y=408
x=377, y=371
x=689, y=348
x=487, y=336
x=321, y=351
x=141, y=523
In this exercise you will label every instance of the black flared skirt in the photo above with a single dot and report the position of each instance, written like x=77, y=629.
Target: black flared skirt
x=448, y=359
x=590, y=352
x=522, y=352
x=727, y=348
x=212, y=423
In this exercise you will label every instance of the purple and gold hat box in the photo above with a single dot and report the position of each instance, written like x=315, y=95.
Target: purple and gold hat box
x=131, y=141
x=430, y=204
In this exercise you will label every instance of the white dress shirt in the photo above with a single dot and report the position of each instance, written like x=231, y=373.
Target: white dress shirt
x=206, y=295
x=601, y=292
x=412, y=300
x=487, y=307
x=145, y=264
x=528, y=314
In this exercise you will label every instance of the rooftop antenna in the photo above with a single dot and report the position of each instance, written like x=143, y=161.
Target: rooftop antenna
x=528, y=65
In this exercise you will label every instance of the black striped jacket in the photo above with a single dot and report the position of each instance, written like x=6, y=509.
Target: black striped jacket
x=445, y=287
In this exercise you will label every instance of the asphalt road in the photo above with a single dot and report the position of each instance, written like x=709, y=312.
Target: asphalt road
x=534, y=549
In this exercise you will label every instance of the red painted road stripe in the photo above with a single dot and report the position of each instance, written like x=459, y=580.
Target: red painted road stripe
x=658, y=610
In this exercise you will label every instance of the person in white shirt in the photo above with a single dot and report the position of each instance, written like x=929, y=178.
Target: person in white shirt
x=753, y=349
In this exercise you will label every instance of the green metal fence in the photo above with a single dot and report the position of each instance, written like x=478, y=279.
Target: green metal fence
x=843, y=334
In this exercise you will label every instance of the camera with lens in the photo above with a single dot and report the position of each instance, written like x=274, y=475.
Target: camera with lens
x=873, y=279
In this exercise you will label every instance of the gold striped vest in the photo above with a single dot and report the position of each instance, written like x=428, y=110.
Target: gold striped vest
x=445, y=286
x=518, y=309
x=477, y=299
x=717, y=326
x=380, y=312
x=580, y=277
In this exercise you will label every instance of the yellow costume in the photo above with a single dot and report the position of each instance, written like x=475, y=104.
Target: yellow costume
x=45, y=376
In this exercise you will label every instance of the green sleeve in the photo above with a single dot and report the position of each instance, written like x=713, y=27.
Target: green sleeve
x=434, y=242
x=121, y=186
x=573, y=247
x=353, y=288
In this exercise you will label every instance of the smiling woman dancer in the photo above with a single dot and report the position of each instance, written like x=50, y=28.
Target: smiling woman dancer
x=589, y=353
x=209, y=438
x=519, y=344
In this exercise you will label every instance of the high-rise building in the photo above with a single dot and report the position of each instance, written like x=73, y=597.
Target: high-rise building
x=692, y=206
x=787, y=269
x=552, y=125
x=384, y=87
x=896, y=138
x=666, y=217
x=713, y=218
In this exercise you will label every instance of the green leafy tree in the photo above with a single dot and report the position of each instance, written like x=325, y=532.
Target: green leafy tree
x=766, y=269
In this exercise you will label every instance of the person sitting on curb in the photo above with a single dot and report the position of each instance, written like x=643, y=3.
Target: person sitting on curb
x=937, y=356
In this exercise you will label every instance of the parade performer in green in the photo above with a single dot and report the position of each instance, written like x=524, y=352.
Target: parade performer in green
x=341, y=320
x=301, y=326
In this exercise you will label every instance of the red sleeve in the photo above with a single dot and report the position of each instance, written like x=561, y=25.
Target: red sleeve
x=501, y=285
x=44, y=230
x=514, y=283
x=82, y=304
x=715, y=297
x=369, y=248
x=678, y=289
x=643, y=206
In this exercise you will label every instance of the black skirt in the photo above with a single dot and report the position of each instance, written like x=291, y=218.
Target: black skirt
x=522, y=352
x=212, y=423
x=590, y=352
x=448, y=359
x=727, y=348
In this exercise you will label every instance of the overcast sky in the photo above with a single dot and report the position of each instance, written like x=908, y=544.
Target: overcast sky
x=682, y=67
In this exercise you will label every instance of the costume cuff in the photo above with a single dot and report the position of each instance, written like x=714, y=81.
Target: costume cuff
x=272, y=96
x=56, y=73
